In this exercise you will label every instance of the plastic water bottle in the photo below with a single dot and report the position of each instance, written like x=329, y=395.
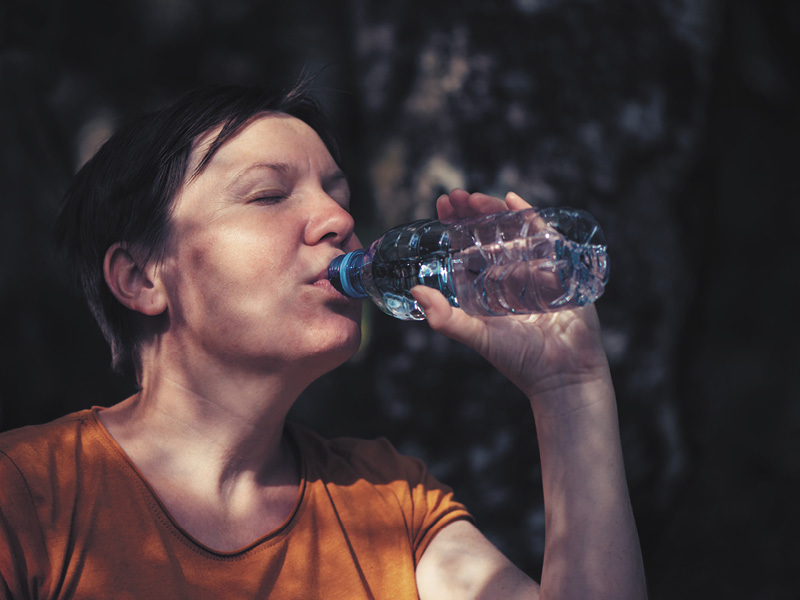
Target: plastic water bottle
x=514, y=262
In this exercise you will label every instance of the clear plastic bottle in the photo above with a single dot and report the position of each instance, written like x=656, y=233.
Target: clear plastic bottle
x=514, y=262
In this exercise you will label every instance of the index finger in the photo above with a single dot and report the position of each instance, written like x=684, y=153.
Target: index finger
x=459, y=204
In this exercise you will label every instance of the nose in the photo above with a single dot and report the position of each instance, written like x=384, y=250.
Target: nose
x=330, y=222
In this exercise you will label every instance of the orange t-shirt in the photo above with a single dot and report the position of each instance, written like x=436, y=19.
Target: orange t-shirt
x=77, y=520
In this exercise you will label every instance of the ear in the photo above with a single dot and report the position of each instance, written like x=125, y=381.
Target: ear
x=135, y=286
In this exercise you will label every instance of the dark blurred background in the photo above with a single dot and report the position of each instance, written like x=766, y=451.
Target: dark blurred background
x=675, y=122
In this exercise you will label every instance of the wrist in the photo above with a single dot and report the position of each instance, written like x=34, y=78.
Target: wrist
x=560, y=396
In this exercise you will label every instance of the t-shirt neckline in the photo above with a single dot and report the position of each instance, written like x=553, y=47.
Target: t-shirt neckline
x=165, y=517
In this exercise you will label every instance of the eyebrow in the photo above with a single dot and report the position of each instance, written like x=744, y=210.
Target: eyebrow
x=280, y=167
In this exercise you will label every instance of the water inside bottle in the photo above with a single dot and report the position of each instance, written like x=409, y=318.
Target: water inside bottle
x=530, y=275
x=395, y=278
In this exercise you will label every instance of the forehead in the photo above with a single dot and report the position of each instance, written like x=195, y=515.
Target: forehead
x=267, y=136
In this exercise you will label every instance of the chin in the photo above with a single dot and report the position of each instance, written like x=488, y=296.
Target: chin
x=335, y=347
x=325, y=362
x=349, y=347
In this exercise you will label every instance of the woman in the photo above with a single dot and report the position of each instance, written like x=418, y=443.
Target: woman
x=201, y=235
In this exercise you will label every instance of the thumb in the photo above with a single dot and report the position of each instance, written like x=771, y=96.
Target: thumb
x=444, y=318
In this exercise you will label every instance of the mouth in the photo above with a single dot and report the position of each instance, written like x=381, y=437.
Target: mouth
x=321, y=281
x=326, y=285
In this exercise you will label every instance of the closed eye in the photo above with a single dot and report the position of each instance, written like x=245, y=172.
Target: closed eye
x=268, y=199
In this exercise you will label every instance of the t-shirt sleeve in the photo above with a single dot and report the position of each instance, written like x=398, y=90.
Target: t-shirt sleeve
x=439, y=507
x=22, y=553
x=427, y=504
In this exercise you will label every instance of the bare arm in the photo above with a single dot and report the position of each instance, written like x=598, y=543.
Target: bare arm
x=461, y=563
x=557, y=360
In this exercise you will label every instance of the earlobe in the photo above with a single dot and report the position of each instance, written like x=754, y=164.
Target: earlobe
x=134, y=285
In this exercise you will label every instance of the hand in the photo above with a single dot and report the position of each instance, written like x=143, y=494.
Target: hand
x=544, y=355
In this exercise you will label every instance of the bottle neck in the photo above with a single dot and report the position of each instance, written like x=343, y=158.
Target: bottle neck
x=344, y=274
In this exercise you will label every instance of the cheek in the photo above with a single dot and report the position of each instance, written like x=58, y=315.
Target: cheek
x=233, y=275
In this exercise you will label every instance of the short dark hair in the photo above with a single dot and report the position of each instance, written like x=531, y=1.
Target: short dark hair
x=125, y=192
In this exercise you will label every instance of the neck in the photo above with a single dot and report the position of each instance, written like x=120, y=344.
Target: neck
x=227, y=426
x=209, y=438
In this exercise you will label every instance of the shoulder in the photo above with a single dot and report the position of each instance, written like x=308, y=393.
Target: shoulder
x=34, y=441
x=370, y=477
x=376, y=459
x=38, y=454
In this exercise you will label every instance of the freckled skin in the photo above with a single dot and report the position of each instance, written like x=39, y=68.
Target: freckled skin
x=247, y=246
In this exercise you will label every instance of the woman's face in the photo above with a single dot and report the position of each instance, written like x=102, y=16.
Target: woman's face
x=251, y=239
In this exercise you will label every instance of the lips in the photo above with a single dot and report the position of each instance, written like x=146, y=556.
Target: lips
x=321, y=280
x=322, y=275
